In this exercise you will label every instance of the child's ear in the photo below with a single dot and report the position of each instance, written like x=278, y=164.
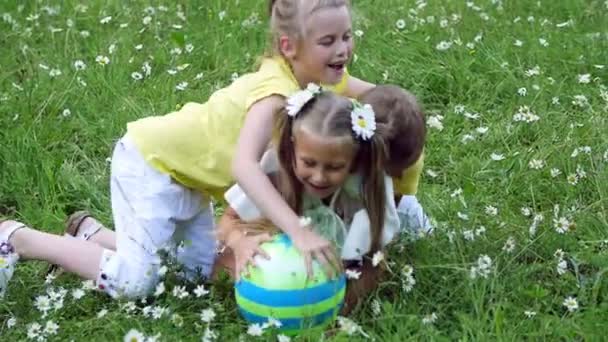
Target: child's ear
x=287, y=47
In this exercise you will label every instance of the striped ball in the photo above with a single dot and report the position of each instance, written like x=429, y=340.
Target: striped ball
x=277, y=288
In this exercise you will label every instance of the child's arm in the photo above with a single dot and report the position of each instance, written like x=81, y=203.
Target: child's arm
x=253, y=141
x=356, y=87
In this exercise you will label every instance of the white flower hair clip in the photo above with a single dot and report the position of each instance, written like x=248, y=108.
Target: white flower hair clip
x=363, y=119
x=299, y=99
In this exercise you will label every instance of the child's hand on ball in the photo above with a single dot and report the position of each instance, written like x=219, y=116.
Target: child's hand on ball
x=312, y=245
x=245, y=248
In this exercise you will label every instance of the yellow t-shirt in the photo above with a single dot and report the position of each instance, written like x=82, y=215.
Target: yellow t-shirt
x=407, y=184
x=195, y=145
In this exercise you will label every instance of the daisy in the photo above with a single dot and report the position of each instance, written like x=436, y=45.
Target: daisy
x=491, y=210
x=102, y=60
x=11, y=322
x=160, y=289
x=571, y=304
x=555, y=172
x=207, y=315
x=584, y=78
x=377, y=258
x=400, y=24
x=429, y=319
x=562, y=267
x=79, y=65
x=255, y=329
x=55, y=72
x=283, y=338
x=78, y=293
x=296, y=101
x=536, y=164
x=51, y=328
x=200, y=291
x=509, y=245
x=497, y=156
x=352, y=274
x=209, y=335
x=182, y=86
x=180, y=292
x=134, y=336
x=443, y=45
x=364, y=121
x=137, y=76
x=529, y=313
x=435, y=122
x=105, y=20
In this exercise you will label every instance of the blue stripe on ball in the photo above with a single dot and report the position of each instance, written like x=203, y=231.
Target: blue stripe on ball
x=293, y=323
x=282, y=298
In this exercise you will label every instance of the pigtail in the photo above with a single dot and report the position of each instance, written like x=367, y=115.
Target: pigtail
x=373, y=155
x=288, y=184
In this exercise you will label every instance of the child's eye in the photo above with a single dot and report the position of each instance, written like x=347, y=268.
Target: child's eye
x=327, y=41
x=347, y=36
x=309, y=163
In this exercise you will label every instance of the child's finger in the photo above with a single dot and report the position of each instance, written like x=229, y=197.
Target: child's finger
x=262, y=253
x=308, y=264
x=327, y=266
x=334, y=260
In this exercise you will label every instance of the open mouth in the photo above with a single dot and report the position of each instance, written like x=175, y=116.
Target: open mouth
x=336, y=66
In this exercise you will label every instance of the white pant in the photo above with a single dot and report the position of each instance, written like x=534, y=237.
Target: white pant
x=152, y=212
x=412, y=216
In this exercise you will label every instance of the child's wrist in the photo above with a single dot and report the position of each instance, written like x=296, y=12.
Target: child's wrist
x=233, y=238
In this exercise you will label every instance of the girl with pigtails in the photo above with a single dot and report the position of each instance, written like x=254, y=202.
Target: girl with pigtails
x=328, y=162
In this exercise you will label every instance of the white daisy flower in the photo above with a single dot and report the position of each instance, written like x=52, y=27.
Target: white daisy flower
x=207, y=315
x=300, y=98
x=102, y=60
x=571, y=304
x=400, y=24
x=255, y=330
x=134, y=336
x=584, y=78
x=529, y=313
x=352, y=274
x=160, y=289
x=51, y=328
x=497, y=156
x=377, y=258
x=435, y=122
x=200, y=291
x=363, y=120
x=79, y=65
x=105, y=20
x=78, y=293
x=11, y=322
x=137, y=76
x=181, y=86
x=429, y=319
x=283, y=338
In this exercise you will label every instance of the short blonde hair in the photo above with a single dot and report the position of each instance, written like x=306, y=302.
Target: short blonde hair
x=287, y=18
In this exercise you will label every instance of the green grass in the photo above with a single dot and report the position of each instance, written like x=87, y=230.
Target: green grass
x=52, y=165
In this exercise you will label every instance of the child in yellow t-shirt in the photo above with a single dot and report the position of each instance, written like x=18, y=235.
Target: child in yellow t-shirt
x=166, y=168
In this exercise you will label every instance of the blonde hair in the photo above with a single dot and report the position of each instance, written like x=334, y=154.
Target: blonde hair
x=329, y=115
x=287, y=18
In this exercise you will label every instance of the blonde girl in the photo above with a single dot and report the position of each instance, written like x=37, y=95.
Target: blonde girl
x=165, y=169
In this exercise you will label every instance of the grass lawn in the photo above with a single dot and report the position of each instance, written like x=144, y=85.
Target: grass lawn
x=515, y=177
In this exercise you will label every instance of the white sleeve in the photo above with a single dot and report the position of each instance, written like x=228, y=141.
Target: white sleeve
x=358, y=240
x=237, y=198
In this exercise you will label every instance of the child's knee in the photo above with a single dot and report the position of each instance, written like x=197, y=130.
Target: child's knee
x=120, y=277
